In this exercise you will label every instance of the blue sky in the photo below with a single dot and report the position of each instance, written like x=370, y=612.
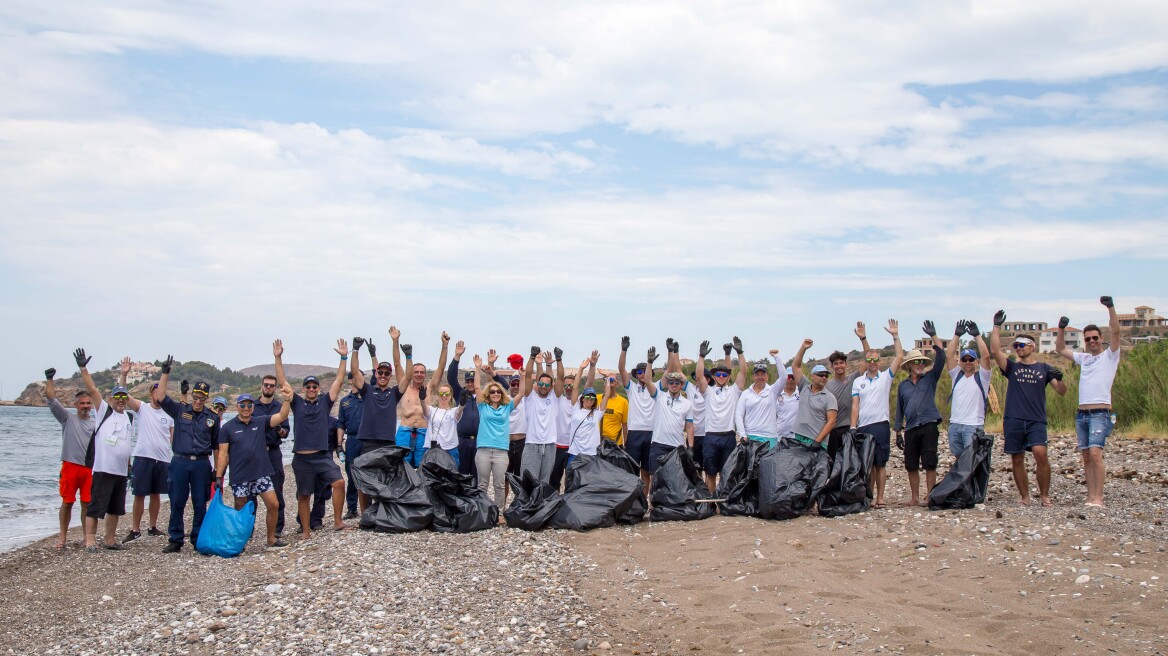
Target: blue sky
x=200, y=179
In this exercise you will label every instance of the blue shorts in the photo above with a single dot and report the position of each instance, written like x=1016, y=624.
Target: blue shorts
x=716, y=451
x=413, y=439
x=149, y=476
x=881, y=433
x=314, y=470
x=1093, y=428
x=1022, y=434
x=961, y=438
x=252, y=488
x=637, y=445
x=771, y=442
x=656, y=451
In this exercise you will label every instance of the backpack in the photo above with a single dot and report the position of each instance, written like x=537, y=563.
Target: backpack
x=977, y=379
x=90, y=453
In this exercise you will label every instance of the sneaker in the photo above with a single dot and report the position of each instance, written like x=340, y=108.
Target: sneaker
x=154, y=532
x=172, y=547
x=131, y=536
x=278, y=544
x=352, y=514
x=114, y=547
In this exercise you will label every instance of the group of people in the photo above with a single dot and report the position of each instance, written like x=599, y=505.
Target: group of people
x=533, y=422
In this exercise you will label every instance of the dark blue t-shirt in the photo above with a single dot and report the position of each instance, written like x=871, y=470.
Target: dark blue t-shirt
x=1026, y=391
x=310, y=430
x=247, y=448
x=349, y=416
x=378, y=412
x=273, y=432
x=195, y=433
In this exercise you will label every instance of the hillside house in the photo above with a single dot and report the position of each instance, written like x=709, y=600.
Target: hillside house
x=1074, y=339
x=1144, y=317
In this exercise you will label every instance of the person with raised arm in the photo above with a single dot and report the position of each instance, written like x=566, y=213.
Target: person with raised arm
x=466, y=397
x=917, y=418
x=151, y=458
x=1024, y=417
x=349, y=423
x=756, y=417
x=542, y=404
x=969, y=396
x=639, y=388
x=196, y=434
x=840, y=386
x=1097, y=368
x=817, y=407
x=76, y=475
x=379, y=401
x=672, y=421
x=586, y=414
x=411, y=419
x=494, y=433
x=268, y=404
x=869, y=411
x=721, y=400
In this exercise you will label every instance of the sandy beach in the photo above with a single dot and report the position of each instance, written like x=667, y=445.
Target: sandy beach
x=1001, y=578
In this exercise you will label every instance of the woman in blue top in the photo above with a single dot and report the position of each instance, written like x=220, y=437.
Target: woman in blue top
x=494, y=438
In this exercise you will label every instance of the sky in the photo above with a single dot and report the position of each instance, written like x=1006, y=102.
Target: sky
x=201, y=178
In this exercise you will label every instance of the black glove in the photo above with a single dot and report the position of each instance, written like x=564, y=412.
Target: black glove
x=704, y=349
x=558, y=352
x=219, y=484
x=900, y=441
x=49, y=373
x=674, y=347
x=357, y=342
x=79, y=356
x=184, y=387
x=1106, y=301
x=737, y=345
x=372, y=349
x=1064, y=322
x=652, y=356
x=971, y=328
x=727, y=347
x=960, y=329
x=1056, y=373
x=534, y=351
x=407, y=350
x=929, y=329
x=999, y=317
x=624, y=344
x=167, y=364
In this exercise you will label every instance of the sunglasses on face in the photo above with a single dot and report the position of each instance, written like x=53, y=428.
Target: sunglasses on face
x=245, y=404
x=638, y=372
x=1096, y=338
x=543, y=385
x=871, y=359
x=121, y=396
x=969, y=359
x=220, y=406
x=383, y=373
x=443, y=393
x=721, y=374
x=675, y=382
x=569, y=385
x=311, y=387
x=495, y=391
x=822, y=374
x=269, y=384
x=1019, y=345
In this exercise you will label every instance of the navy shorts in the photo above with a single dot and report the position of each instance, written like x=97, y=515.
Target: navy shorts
x=881, y=433
x=149, y=476
x=313, y=471
x=637, y=445
x=656, y=452
x=1023, y=435
x=716, y=451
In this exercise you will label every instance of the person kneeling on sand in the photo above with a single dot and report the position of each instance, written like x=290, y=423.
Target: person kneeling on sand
x=243, y=446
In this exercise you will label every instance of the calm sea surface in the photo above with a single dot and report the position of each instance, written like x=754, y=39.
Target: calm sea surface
x=30, y=461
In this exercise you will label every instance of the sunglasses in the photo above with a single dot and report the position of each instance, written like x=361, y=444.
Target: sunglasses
x=245, y=404
x=969, y=359
x=382, y=372
x=543, y=385
x=121, y=396
x=311, y=387
x=822, y=374
x=269, y=384
x=638, y=372
x=675, y=382
x=1018, y=345
x=443, y=393
x=495, y=391
x=1096, y=338
x=871, y=359
x=721, y=374
x=220, y=406
x=569, y=385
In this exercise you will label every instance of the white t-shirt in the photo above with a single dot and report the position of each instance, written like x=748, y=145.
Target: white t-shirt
x=757, y=412
x=585, y=431
x=671, y=416
x=112, y=447
x=788, y=409
x=721, y=404
x=699, y=408
x=564, y=422
x=541, y=417
x=1096, y=376
x=968, y=404
x=873, y=394
x=642, y=407
x=518, y=420
x=443, y=428
x=153, y=434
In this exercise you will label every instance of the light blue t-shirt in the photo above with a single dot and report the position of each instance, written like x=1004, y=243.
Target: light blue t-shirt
x=495, y=427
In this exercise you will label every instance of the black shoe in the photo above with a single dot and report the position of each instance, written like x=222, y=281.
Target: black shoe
x=132, y=535
x=352, y=514
x=154, y=532
x=172, y=547
x=114, y=547
x=278, y=544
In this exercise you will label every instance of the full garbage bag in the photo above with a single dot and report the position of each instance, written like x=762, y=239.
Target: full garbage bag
x=595, y=494
x=615, y=455
x=966, y=483
x=399, y=502
x=677, y=489
x=848, y=488
x=225, y=530
x=790, y=478
x=739, y=479
x=534, y=502
x=459, y=505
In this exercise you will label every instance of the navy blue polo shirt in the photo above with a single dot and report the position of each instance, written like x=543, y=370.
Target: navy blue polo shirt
x=247, y=448
x=272, y=434
x=349, y=416
x=378, y=412
x=310, y=431
x=334, y=443
x=195, y=433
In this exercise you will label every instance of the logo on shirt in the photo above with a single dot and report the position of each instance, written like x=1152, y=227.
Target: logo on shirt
x=210, y=422
x=187, y=415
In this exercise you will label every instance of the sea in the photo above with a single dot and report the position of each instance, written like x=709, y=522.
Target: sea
x=30, y=459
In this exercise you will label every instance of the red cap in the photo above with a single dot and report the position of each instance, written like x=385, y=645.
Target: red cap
x=515, y=360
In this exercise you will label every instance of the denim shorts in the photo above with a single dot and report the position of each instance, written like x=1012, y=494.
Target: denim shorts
x=881, y=433
x=961, y=438
x=1093, y=428
x=1022, y=435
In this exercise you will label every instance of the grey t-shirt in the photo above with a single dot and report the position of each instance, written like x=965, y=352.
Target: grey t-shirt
x=813, y=409
x=843, y=398
x=75, y=433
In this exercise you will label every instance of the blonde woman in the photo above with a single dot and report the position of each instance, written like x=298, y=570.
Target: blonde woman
x=443, y=422
x=494, y=436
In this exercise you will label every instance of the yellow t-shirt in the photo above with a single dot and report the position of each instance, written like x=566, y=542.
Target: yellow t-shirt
x=615, y=415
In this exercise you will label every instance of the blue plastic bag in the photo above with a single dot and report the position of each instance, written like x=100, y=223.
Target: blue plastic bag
x=225, y=530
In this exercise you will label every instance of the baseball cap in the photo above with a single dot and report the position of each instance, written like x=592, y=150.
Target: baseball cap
x=219, y=400
x=201, y=388
x=310, y=379
x=243, y=397
x=385, y=365
x=790, y=373
x=515, y=360
x=818, y=369
x=760, y=366
x=970, y=352
x=120, y=390
x=468, y=376
x=514, y=379
x=588, y=391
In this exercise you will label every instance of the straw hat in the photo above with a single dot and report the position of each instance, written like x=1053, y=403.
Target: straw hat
x=914, y=355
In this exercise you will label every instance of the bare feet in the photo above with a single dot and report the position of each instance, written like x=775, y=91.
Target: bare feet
x=1094, y=504
x=1025, y=501
x=1045, y=502
x=342, y=527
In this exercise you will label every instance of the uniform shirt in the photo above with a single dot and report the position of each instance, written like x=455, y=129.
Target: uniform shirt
x=757, y=412
x=788, y=410
x=111, y=445
x=872, y=395
x=615, y=416
x=195, y=433
x=699, y=409
x=247, y=448
x=153, y=434
x=813, y=409
x=272, y=433
x=585, y=431
x=842, y=391
x=349, y=416
x=916, y=403
x=310, y=430
x=1026, y=390
x=1096, y=376
x=378, y=412
x=721, y=407
x=442, y=428
x=541, y=417
x=968, y=403
x=670, y=418
x=494, y=426
x=642, y=407
x=75, y=433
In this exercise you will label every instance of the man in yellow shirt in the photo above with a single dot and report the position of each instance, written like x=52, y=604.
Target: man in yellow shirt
x=614, y=425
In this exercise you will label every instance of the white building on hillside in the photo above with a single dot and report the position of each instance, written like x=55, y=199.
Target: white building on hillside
x=1074, y=339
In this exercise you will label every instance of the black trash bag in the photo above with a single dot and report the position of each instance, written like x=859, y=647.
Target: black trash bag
x=459, y=505
x=848, y=487
x=534, y=503
x=739, y=482
x=595, y=494
x=398, y=499
x=967, y=481
x=790, y=478
x=677, y=486
x=613, y=454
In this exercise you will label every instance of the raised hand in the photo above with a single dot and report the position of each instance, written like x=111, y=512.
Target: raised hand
x=625, y=343
x=893, y=327
x=286, y=390
x=407, y=350
x=126, y=365
x=184, y=387
x=278, y=348
x=394, y=333
x=959, y=330
x=594, y=357
x=929, y=328
x=491, y=357
x=704, y=349
x=1064, y=322
x=727, y=347
x=547, y=358
x=534, y=351
x=358, y=342
x=774, y=353
x=808, y=343
x=999, y=318
x=49, y=373
x=559, y=353
x=584, y=363
x=372, y=349
x=478, y=360
x=652, y=356
x=861, y=330
x=459, y=349
x=445, y=338
x=79, y=357
x=342, y=348
x=737, y=345
x=1107, y=302
x=971, y=328
x=167, y=364
x=670, y=345
x=1056, y=373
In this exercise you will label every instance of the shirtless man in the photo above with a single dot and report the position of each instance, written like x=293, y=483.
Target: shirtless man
x=411, y=428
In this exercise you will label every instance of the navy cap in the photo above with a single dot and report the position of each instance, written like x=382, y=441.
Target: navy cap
x=760, y=366
x=468, y=376
x=970, y=352
x=310, y=379
x=120, y=390
x=201, y=387
x=243, y=397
